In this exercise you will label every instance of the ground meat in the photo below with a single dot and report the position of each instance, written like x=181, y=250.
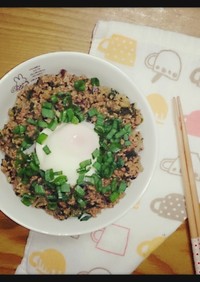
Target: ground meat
x=28, y=106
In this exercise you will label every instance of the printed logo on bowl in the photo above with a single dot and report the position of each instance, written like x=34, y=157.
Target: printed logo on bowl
x=21, y=80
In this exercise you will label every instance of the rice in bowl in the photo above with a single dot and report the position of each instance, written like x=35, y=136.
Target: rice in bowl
x=68, y=98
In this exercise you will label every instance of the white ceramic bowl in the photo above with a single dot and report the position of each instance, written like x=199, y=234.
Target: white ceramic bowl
x=109, y=75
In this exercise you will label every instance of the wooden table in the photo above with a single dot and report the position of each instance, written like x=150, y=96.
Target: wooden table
x=28, y=32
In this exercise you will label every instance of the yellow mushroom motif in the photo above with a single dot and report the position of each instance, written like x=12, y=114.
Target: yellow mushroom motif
x=49, y=261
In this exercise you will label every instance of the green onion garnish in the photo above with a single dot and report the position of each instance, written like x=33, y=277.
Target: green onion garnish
x=42, y=123
x=53, y=124
x=79, y=191
x=79, y=85
x=19, y=129
x=46, y=150
x=95, y=81
x=48, y=113
x=61, y=179
x=41, y=138
x=27, y=199
x=49, y=174
x=114, y=196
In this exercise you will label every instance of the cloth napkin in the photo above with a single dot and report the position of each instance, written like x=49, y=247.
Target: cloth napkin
x=163, y=64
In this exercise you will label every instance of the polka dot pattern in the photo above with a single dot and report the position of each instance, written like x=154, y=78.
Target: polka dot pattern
x=171, y=206
x=120, y=49
x=196, y=253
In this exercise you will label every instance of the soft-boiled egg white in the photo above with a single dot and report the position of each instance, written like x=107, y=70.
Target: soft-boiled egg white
x=69, y=144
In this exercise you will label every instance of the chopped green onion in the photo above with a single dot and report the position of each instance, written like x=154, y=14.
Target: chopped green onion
x=120, y=162
x=114, y=196
x=81, y=203
x=85, y=163
x=59, y=193
x=27, y=199
x=26, y=143
x=116, y=123
x=41, y=138
x=46, y=150
x=115, y=147
x=79, y=85
x=122, y=187
x=127, y=143
x=95, y=81
x=83, y=217
x=34, y=167
x=58, y=172
x=61, y=179
x=99, y=128
x=79, y=116
x=80, y=179
x=127, y=127
x=51, y=197
x=111, y=133
x=65, y=188
x=47, y=105
x=48, y=113
x=70, y=114
x=114, y=184
x=52, y=206
x=42, y=123
x=49, y=174
x=89, y=179
x=95, y=153
x=19, y=129
x=106, y=189
x=54, y=99
x=53, y=124
x=63, y=116
x=39, y=189
x=32, y=121
x=75, y=120
x=79, y=191
x=100, y=119
x=97, y=165
x=92, y=112
x=120, y=133
x=35, y=158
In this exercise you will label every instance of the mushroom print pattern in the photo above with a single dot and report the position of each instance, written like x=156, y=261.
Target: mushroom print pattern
x=195, y=77
x=165, y=63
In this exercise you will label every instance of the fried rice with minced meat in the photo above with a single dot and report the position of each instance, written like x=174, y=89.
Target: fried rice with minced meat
x=106, y=100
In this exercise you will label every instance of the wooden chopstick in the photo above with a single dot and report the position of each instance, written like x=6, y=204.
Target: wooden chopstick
x=191, y=196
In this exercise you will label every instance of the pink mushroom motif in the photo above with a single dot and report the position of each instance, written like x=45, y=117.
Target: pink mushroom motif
x=192, y=122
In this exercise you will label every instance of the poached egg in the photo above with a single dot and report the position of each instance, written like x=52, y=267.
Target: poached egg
x=69, y=144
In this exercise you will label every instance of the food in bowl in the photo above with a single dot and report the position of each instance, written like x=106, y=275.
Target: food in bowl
x=27, y=73
x=71, y=145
